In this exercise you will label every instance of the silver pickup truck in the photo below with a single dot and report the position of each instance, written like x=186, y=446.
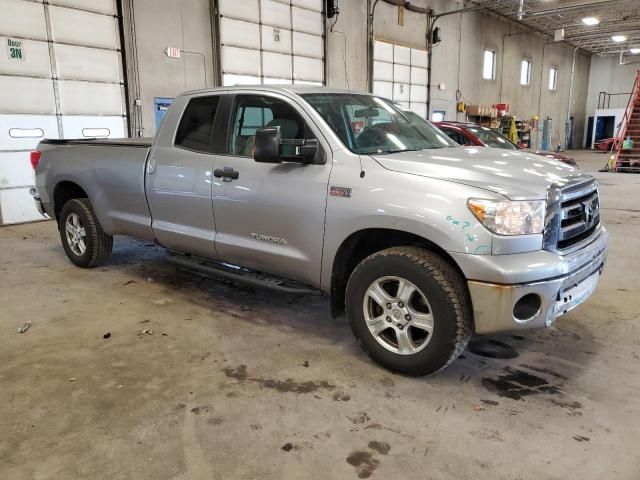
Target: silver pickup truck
x=314, y=190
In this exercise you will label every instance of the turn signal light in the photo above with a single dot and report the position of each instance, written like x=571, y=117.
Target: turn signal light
x=35, y=158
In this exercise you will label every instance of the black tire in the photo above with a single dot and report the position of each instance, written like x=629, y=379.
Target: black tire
x=98, y=245
x=448, y=300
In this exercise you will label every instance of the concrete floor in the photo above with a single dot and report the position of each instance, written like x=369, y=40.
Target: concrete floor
x=232, y=382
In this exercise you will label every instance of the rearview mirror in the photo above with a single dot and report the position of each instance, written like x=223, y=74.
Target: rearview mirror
x=366, y=113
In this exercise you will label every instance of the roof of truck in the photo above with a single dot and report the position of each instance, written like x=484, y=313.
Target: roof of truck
x=297, y=89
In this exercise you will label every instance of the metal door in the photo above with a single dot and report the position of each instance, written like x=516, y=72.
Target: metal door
x=400, y=74
x=589, y=142
x=60, y=77
x=272, y=41
x=271, y=217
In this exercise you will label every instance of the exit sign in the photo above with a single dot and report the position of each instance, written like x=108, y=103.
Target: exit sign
x=14, y=49
x=172, y=52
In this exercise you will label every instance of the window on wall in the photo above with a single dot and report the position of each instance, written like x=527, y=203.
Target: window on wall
x=489, y=65
x=553, y=79
x=438, y=116
x=525, y=72
x=400, y=74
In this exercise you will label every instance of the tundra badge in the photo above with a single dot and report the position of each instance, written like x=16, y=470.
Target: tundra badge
x=269, y=238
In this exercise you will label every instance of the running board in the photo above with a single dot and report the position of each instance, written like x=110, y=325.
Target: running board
x=250, y=277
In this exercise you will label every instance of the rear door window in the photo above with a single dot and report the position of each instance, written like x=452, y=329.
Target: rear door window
x=492, y=139
x=453, y=135
x=465, y=139
x=195, y=131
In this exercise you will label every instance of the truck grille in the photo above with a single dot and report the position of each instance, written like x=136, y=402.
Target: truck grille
x=579, y=215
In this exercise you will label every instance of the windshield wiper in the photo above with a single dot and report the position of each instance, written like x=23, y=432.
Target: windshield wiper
x=400, y=150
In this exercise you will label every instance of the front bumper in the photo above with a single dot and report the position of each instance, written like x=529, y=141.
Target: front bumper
x=561, y=283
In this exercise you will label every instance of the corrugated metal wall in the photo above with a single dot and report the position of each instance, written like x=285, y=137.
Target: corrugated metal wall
x=61, y=76
x=271, y=41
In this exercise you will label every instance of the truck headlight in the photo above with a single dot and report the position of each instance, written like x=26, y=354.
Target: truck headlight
x=509, y=217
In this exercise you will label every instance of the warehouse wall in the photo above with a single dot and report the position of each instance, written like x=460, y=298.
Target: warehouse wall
x=457, y=62
x=153, y=25
x=607, y=75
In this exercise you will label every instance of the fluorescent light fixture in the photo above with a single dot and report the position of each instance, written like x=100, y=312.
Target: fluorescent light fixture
x=634, y=51
x=590, y=21
x=618, y=38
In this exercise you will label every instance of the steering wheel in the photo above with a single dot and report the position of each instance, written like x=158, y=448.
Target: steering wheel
x=372, y=137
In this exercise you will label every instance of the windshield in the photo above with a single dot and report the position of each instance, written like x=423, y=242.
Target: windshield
x=368, y=124
x=491, y=138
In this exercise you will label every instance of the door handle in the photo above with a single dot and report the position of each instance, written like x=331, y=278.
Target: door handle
x=151, y=166
x=227, y=174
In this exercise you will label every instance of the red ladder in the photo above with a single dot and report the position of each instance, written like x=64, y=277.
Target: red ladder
x=629, y=160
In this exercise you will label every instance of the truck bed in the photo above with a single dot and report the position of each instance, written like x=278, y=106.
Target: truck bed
x=110, y=171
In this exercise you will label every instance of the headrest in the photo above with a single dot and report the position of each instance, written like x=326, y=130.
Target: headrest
x=288, y=128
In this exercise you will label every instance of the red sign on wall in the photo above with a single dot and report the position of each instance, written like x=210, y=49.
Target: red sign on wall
x=172, y=52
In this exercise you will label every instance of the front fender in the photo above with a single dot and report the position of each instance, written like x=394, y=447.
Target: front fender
x=433, y=209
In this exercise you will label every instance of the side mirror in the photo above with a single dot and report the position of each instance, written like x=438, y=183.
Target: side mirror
x=270, y=147
x=266, y=145
x=299, y=150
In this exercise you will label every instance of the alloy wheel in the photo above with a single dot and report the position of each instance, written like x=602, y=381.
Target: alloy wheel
x=76, y=234
x=398, y=315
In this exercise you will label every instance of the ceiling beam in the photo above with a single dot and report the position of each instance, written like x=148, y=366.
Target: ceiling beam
x=567, y=8
x=600, y=33
x=633, y=20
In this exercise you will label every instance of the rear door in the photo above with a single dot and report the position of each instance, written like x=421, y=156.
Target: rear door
x=271, y=217
x=179, y=173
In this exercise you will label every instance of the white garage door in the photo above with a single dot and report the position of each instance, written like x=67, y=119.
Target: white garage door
x=272, y=41
x=400, y=74
x=60, y=77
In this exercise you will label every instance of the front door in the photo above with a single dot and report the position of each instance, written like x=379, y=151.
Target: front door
x=271, y=217
x=179, y=173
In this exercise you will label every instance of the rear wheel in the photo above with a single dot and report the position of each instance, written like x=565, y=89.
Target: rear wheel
x=83, y=239
x=409, y=309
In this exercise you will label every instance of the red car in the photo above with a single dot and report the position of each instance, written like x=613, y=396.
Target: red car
x=476, y=135
x=606, y=144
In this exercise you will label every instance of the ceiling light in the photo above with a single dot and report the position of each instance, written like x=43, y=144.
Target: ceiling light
x=590, y=21
x=618, y=38
x=635, y=51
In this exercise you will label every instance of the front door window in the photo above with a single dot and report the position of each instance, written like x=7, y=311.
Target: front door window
x=253, y=112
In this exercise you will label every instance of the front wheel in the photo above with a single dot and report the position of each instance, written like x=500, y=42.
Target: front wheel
x=83, y=239
x=409, y=309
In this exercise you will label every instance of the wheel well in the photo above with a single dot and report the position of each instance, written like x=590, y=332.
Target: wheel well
x=363, y=243
x=64, y=192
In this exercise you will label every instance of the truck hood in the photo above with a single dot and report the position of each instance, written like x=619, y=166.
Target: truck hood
x=517, y=175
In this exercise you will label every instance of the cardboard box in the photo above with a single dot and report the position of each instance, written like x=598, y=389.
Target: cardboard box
x=482, y=111
x=473, y=110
